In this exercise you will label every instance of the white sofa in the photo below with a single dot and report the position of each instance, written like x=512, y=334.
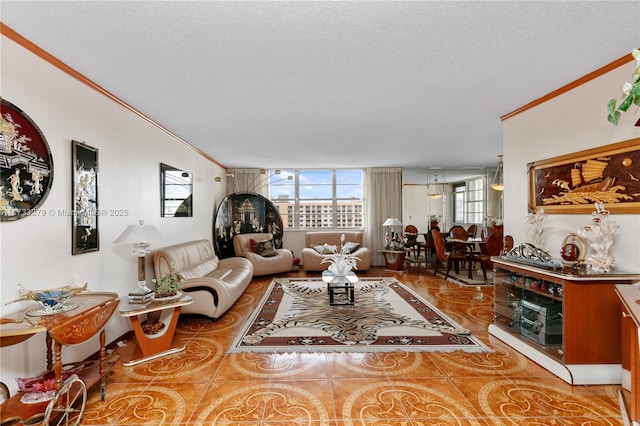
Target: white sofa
x=215, y=284
x=312, y=260
x=281, y=261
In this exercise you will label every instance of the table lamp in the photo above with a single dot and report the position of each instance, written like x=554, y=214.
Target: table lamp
x=392, y=222
x=140, y=236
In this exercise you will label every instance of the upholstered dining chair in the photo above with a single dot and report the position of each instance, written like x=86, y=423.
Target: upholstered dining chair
x=492, y=247
x=472, y=230
x=411, y=240
x=452, y=257
x=458, y=232
x=507, y=244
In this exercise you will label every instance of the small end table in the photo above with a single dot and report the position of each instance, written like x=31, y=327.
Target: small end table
x=394, y=259
x=340, y=286
x=152, y=346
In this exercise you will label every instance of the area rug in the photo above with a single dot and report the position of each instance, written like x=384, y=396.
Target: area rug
x=295, y=316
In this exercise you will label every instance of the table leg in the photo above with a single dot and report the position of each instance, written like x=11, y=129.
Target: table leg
x=157, y=345
x=57, y=364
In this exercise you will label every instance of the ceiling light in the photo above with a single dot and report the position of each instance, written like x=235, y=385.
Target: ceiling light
x=498, y=181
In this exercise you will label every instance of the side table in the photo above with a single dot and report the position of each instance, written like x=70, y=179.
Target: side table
x=394, y=259
x=152, y=346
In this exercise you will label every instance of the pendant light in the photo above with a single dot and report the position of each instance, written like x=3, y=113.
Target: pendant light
x=498, y=182
x=437, y=190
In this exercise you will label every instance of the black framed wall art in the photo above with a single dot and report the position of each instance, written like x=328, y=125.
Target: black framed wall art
x=26, y=165
x=85, y=236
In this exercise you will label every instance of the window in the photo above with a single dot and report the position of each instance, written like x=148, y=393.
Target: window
x=468, y=201
x=330, y=199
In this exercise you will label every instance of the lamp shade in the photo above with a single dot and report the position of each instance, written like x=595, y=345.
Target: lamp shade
x=392, y=221
x=141, y=233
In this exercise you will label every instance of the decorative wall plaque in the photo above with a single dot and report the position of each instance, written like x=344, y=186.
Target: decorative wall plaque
x=26, y=165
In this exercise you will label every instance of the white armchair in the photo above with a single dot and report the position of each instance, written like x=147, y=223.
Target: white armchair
x=258, y=248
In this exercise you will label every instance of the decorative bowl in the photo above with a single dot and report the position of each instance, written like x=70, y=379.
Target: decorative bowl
x=53, y=300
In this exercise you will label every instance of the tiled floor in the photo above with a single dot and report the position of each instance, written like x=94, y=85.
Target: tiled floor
x=205, y=386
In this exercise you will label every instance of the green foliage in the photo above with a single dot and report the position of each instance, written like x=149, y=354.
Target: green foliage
x=169, y=283
x=630, y=94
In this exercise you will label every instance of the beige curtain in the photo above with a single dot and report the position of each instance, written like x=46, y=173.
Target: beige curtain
x=382, y=200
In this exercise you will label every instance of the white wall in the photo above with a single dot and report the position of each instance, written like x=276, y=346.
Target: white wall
x=572, y=122
x=36, y=251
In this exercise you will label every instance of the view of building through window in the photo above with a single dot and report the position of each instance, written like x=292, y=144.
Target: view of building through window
x=318, y=198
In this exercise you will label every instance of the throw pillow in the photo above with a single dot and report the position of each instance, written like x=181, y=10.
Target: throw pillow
x=253, y=245
x=349, y=248
x=320, y=249
x=266, y=248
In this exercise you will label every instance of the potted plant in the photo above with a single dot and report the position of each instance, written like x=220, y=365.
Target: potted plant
x=169, y=283
x=630, y=93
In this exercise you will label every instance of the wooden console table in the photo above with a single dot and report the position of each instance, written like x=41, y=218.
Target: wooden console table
x=65, y=328
x=630, y=297
x=152, y=346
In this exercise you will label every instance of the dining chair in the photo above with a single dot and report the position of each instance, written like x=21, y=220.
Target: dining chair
x=507, y=244
x=452, y=257
x=458, y=232
x=493, y=246
x=411, y=240
x=472, y=230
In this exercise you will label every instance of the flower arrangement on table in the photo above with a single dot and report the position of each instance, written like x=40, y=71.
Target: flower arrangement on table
x=342, y=261
x=434, y=218
x=630, y=93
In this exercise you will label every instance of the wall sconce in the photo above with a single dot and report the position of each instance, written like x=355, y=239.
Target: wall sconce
x=140, y=236
x=218, y=179
x=498, y=182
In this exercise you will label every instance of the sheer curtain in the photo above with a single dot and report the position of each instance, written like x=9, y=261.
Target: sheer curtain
x=383, y=199
x=250, y=180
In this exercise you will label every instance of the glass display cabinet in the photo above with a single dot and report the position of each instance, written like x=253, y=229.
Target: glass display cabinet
x=566, y=320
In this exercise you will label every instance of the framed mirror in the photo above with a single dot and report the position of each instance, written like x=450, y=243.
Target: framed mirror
x=176, y=192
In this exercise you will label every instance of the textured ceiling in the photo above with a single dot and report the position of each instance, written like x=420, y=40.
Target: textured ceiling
x=332, y=84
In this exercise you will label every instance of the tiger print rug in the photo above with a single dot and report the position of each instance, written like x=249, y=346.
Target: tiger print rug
x=295, y=316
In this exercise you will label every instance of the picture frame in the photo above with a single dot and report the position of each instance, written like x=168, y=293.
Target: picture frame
x=26, y=165
x=572, y=183
x=85, y=233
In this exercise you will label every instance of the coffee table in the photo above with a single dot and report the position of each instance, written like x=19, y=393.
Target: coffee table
x=340, y=288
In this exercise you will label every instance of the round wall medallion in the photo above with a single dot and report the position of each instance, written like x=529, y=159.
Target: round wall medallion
x=26, y=165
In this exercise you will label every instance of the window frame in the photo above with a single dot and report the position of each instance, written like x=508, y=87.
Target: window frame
x=316, y=218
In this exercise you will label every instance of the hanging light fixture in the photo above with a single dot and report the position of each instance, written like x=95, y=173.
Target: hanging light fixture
x=498, y=182
x=438, y=190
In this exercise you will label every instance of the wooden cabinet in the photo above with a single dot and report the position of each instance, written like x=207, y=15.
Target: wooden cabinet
x=630, y=399
x=567, y=321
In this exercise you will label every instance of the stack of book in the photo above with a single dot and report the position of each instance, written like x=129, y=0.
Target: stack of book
x=141, y=297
